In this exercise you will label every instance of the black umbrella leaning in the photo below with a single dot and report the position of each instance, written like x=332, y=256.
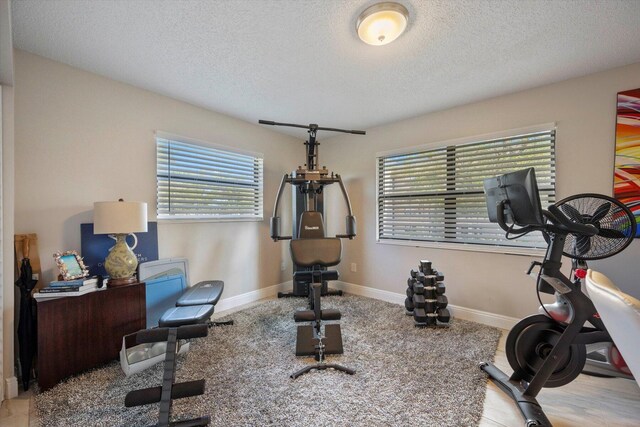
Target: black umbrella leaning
x=26, y=324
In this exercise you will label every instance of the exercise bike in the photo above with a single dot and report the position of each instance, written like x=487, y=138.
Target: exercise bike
x=550, y=349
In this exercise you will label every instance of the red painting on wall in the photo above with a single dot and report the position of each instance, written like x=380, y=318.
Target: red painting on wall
x=626, y=187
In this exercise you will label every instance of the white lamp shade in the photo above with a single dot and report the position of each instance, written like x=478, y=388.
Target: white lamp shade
x=119, y=217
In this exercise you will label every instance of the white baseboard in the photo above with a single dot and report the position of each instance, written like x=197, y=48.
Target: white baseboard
x=484, y=317
x=10, y=387
x=366, y=291
x=236, y=301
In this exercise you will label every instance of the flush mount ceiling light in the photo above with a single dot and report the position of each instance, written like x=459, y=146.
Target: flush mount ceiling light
x=382, y=23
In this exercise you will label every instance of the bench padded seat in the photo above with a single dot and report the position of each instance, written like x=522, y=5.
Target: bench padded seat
x=310, y=316
x=207, y=292
x=189, y=315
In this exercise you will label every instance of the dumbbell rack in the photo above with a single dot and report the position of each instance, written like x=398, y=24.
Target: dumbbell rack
x=426, y=300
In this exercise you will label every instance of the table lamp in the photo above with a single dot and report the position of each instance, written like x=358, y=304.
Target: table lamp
x=120, y=219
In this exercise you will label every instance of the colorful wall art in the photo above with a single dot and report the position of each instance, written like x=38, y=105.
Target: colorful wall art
x=626, y=187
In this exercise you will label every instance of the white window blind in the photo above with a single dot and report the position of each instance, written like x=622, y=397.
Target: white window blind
x=199, y=181
x=437, y=195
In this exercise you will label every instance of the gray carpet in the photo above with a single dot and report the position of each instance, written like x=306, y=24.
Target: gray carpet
x=405, y=375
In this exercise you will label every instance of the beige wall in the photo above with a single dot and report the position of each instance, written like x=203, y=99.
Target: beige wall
x=7, y=314
x=584, y=110
x=82, y=138
x=8, y=288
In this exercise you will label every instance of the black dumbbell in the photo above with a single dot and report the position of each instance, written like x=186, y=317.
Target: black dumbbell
x=418, y=301
x=429, y=280
x=439, y=276
x=430, y=320
x=410, y=282
x=442, y=301
x=419, y=315
x=409, y=292
x=443, y=315
x=430, y=292
x=440, y=288
x=418, y=288
x=425, y=266
x=408, y=304
x=414, y=273
x=430, y=305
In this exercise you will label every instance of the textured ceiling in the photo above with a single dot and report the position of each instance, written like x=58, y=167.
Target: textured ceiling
x=301, y=61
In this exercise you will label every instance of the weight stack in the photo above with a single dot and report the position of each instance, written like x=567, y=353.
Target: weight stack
x=426, y=300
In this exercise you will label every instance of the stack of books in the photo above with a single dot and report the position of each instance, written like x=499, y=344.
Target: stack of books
x=67, y=288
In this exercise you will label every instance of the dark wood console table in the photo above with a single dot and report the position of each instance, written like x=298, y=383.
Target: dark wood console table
x=82, y=332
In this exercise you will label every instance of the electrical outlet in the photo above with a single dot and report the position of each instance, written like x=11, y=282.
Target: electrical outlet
x=354, y=267
x=35, y=276
x=283, y=266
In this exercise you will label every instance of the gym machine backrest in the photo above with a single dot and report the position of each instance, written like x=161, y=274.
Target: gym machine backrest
x=311, y=225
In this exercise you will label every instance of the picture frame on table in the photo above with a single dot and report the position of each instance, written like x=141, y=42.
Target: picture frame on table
x=70, y=265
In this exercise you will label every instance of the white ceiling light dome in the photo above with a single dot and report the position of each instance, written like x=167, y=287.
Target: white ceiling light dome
x=382, y=23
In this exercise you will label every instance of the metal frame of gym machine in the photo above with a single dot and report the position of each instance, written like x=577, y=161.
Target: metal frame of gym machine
x=307, y=183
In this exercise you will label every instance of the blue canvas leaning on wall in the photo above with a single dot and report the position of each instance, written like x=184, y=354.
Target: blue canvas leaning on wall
x=95, y=247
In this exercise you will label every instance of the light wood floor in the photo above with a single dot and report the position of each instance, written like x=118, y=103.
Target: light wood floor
x=587, y=401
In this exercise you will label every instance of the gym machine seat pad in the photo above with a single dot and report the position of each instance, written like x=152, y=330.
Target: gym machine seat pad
x=325, y=252
x=207, y=292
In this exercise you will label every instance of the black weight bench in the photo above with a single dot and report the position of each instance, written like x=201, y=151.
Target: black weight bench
x=189, y=319
x=169, y=390
x=195, y=306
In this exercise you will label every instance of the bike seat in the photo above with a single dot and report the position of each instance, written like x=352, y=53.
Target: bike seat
x=620, y=313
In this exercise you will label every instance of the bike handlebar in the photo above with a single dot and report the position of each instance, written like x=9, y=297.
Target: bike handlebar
x=560, y=223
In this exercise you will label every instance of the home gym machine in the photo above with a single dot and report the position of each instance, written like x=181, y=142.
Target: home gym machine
x=308, y=183
x=550, y=349
x=312, y=252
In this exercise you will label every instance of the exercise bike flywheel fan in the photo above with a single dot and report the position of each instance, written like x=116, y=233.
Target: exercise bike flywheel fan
x=615, y=223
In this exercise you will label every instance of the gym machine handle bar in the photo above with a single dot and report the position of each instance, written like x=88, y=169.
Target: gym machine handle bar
x=311, y=127
x=275, y=219
x=560, y=224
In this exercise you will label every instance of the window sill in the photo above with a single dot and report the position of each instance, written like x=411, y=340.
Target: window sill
x=189, y=220
x=466, y=247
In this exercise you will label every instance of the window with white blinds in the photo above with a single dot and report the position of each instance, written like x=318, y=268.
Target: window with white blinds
x=437, y=195
x=199, y=181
